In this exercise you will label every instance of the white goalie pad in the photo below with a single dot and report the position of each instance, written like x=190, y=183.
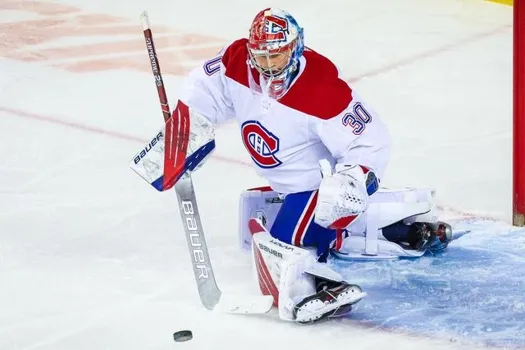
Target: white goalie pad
x=281, y=269
x=365, y=239
x=261, y=203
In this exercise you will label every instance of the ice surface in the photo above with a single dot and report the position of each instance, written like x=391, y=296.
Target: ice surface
x=470, y=292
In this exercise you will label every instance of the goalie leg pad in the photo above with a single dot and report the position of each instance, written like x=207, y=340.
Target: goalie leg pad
x=279, y=270
x=262, y=203
x=291, y=275
x=405, y=205
x=389, y=210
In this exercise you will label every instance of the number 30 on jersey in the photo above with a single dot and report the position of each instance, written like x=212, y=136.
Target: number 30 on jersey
x=358, y=119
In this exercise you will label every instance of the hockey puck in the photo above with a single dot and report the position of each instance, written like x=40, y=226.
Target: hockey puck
x=181, y=336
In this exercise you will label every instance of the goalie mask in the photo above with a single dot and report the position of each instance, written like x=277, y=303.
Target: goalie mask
x=275, y=45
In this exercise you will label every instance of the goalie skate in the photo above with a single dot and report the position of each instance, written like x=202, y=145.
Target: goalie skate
x=334, y=299
x=430, y=236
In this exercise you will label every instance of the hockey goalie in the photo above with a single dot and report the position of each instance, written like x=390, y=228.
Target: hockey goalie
x=322, y=151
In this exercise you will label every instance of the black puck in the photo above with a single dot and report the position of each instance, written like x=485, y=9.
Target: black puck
x=181, y=336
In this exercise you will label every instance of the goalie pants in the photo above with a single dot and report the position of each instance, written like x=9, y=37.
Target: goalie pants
x=294, y=224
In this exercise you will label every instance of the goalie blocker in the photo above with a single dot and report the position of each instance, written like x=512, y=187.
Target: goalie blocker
x=170, y=153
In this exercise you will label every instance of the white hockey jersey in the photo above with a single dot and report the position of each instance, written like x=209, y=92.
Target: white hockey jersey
x=320, y=117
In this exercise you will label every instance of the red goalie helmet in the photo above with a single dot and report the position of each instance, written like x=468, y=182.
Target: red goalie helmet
x=275, y=44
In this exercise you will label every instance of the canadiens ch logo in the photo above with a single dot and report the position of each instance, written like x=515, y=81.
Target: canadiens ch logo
x=276, y=28
x=261, y=144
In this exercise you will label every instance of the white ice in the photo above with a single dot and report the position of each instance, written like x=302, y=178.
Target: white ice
x=92, y=257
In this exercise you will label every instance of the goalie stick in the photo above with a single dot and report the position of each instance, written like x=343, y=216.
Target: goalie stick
x=177, y=127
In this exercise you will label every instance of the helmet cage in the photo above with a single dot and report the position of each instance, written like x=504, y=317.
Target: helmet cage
x=272, y=62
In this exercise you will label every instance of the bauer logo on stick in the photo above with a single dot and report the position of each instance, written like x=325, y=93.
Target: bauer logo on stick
x=200, y=263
